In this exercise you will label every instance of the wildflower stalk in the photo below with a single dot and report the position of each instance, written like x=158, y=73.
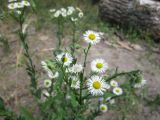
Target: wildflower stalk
x=73, y=38
x=30, y=67
x=121, y=74
x=82, y=74
x=59, y=33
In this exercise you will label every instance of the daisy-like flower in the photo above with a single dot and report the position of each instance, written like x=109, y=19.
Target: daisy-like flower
x=76, y=68
x=75, y=82
x=52, y=76
x=11, y=6
x=74, y=19
x=117, y=91
x=45, y=93
x=67, y=59
x=25, y=3
x=103, y=108
x=99, y=66
x=112, y=101
x=70, y=10
x=92, y=37
x=44, y=66
x=96, y=85
x=59, y=56
x=52, y=10
x=77, y=8
x=141, y=84
x=19, y=5
x=19, y=12
x=47, y=83
x=114, y=83
x=57, y=13
x=80, y=14
x=63, y=12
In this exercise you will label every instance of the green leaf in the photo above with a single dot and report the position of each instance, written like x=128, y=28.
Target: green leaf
x=2, y=107
x=26, y=114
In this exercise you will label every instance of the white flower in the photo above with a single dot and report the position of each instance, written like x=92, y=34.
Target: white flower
x=96, y=85
x=52, y=10
x=91, y=37
x=51, y=75
x=103, y=108
x=75, y=82
x=43, y=63
x=109, y=98
x=117, y=91
x=11, y=6
x=19, y=5
x=77, y=8
x=76, y=68
x=141, y=84
x=112, y=101
x=114, y=83
x=99, y=66
x=19, y=12
x=80, y=14
x=59, y=56
x=70, y=10
x=74, y=19
x=66, y=58
x=63, y=12
x=57, y=13
x=45, y=93
x=68, y=97
x=12, y=0
x=25, y=3
x=45, y=66
x=47, y=83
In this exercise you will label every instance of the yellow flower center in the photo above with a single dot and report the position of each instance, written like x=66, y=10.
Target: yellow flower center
x=47, y=83
x=97, y=85
x=19, y=4
x=117, y=90
x=114, y=84
x=103, y=108
x=65, y=59
x=92, y=36
x=99, y=65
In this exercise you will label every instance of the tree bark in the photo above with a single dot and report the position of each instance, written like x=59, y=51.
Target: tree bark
x=143, y=13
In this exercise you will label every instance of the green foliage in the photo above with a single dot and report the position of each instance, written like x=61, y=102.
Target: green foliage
x=25, y=114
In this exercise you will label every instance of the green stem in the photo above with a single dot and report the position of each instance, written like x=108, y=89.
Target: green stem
x=59, y=33
x=82, y=74
x=122, y=73
x=73, y=39
x=30, y=67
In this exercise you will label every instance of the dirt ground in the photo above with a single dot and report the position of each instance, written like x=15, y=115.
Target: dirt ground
x=14, y=81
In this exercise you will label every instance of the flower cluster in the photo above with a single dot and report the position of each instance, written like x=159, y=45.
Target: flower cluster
x=73, y=13
x=14, y=5
x=17, y=7
x=51, y=74
x=95, y=83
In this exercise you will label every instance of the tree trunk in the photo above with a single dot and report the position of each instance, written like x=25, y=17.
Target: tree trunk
x=143, y=13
